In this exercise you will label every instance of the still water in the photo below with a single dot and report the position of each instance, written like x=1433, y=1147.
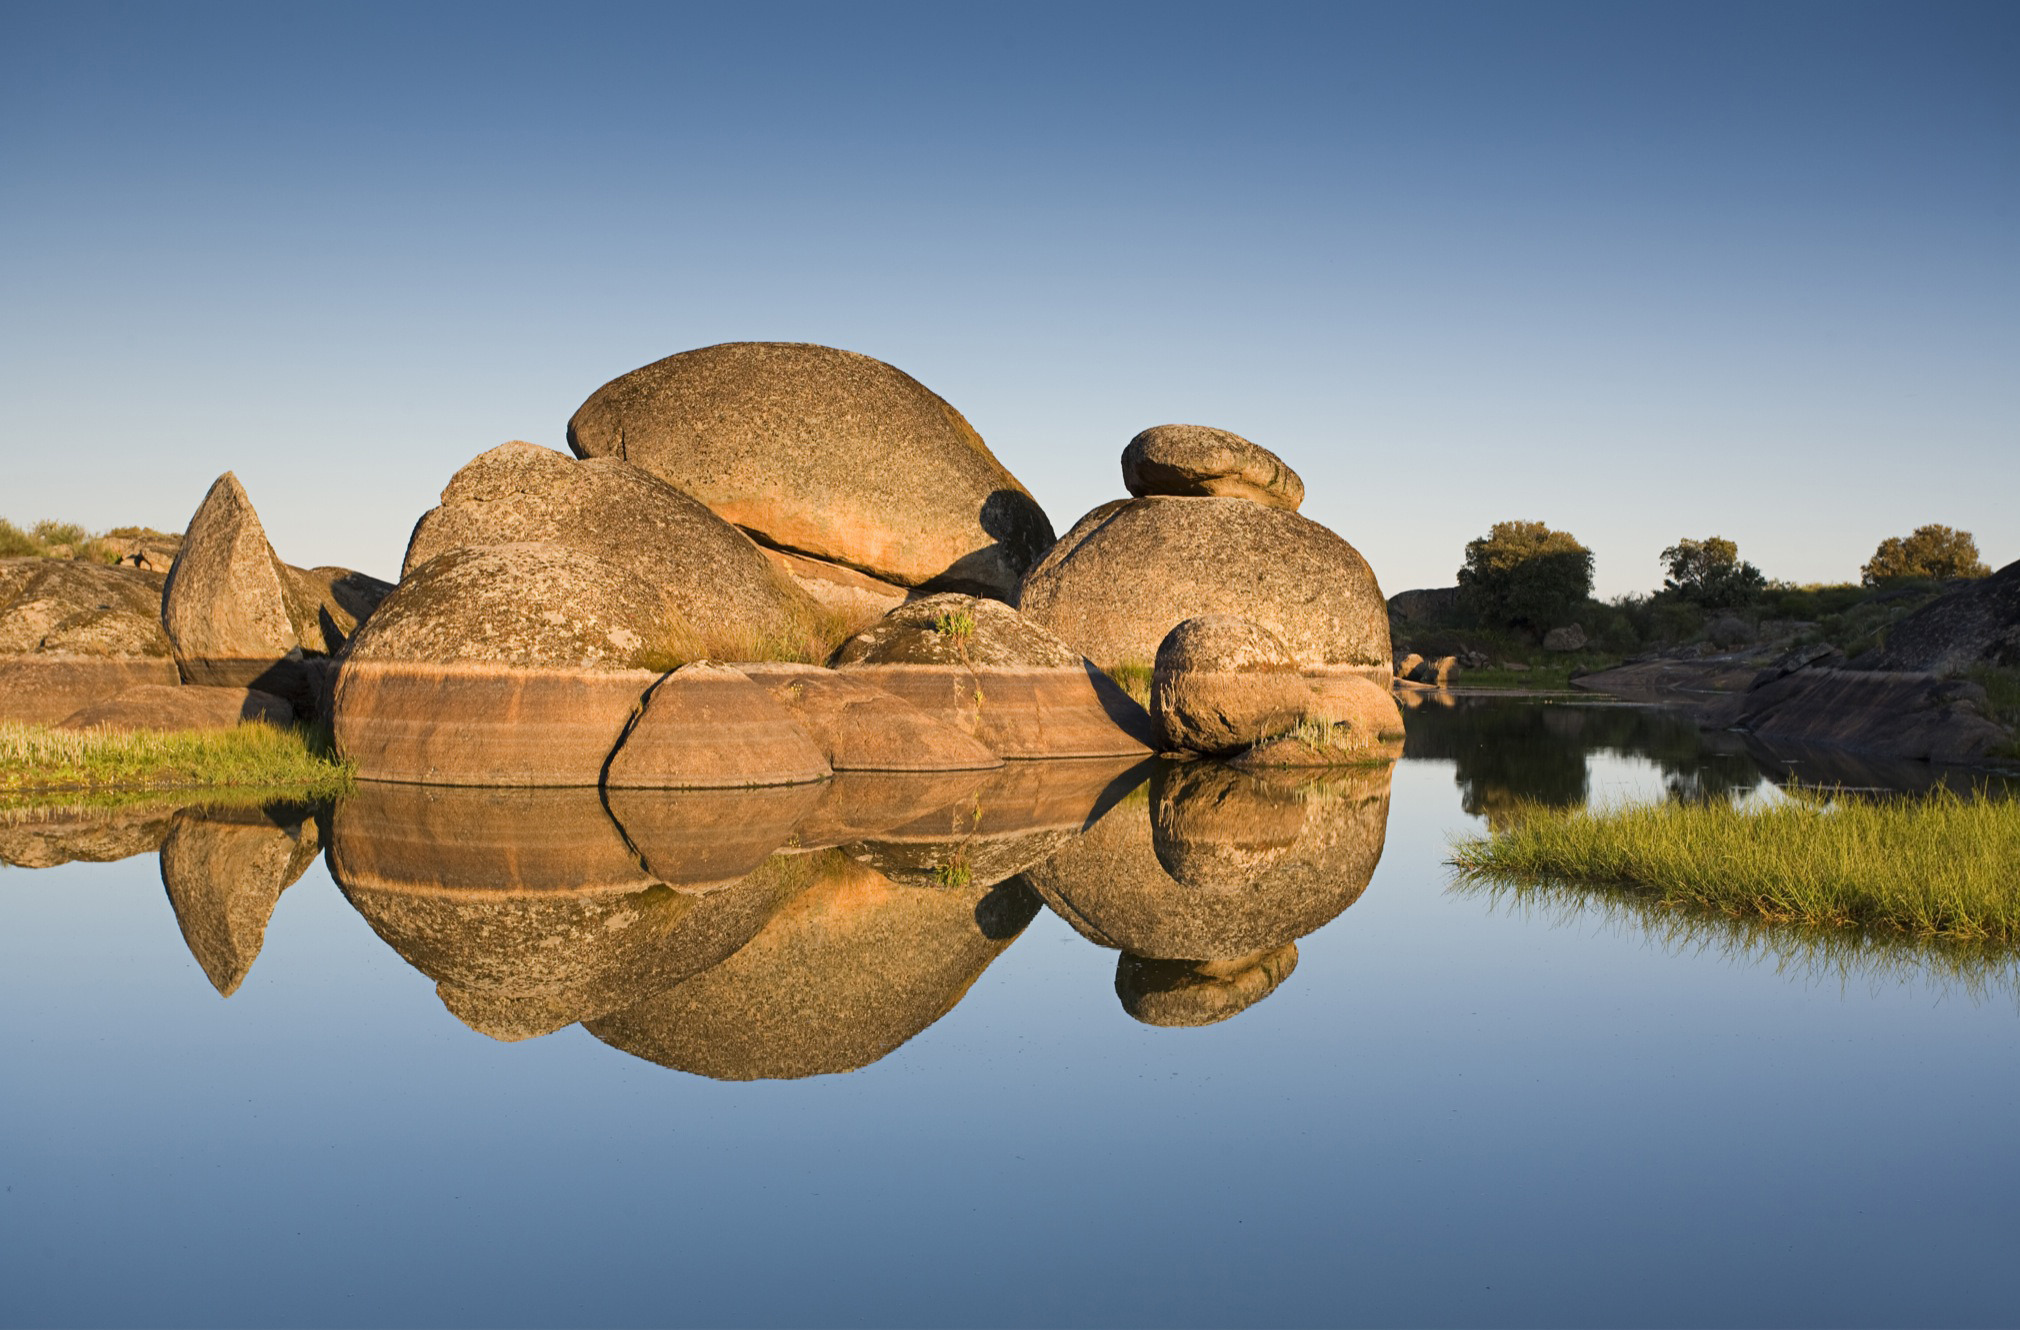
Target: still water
x=1074, y=1043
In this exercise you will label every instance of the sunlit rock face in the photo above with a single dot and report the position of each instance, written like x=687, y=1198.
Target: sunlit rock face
x=1215, y=864
x=859, y=727
x=828, y=454
x=529, y=908
x=224, y=870
x=845, y=972
x=72, y=634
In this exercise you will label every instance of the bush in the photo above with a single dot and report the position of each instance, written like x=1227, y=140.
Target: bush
x=1932, y=552
x=16, y=543
x=1710, y=573
x=1524, y=575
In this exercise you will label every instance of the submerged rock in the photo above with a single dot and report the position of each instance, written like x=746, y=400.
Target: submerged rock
x=827, y=454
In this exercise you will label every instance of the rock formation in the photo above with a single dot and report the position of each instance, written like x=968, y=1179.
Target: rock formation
x=1221, y=683
x=224, y=870
x=237, y=616
x=1212, y=531
x=859, y=727
x=828, y=455
x=156, y=706
x=980, y=666
x=706, y=726
x=73, y=634
x=1977, y=624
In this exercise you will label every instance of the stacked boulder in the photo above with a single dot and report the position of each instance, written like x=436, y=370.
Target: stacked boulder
x=859, y=482
x=1213, y=529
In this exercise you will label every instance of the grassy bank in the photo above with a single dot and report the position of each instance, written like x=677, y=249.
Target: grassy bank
x=296, y=760
x=1939, y=866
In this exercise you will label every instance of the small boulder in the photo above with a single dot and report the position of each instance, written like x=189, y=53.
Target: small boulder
x=1198, y=461
x=1568, y=638
x=1406, y=665
x=982, y=667
x=1436, y=673
x=1222, y=682
x=709, y=727
x=827, y=454
x=180, y=707
x=1128, y=573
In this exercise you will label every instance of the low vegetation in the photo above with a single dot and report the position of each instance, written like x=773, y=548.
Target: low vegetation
x=1133, y=677
x=67, y=540
x=1936, y=866
x=809, y=639
x=296, y=760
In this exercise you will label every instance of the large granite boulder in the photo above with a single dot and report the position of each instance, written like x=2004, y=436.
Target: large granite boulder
x=224, y=870
x=859, y=727
x=72, y=634
x=500, y=665
x=827, y=454
x=1222, y=682
x=724, y=598
x=980, y=666
x=1131, y=571
x=1198, y=461
x=843, y=973
x=237, y=616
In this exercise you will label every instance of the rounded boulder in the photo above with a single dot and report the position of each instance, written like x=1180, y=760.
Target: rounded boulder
x=1199, y=461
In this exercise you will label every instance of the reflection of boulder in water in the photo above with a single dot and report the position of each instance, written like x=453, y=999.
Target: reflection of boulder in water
x=844, y=973
x=1018, y=816
x=526, y=906
x=225, y=870
x=692, y=837
x=856, y=804
x=1266, y=858
x=43, y=837
x=1189, y=993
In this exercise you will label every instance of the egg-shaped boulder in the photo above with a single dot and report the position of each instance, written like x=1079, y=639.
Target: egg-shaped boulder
x=827, y=454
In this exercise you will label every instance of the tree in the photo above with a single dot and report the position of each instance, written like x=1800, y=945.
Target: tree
x=1710, y=573
x=1524, y=575
x=1933, y=551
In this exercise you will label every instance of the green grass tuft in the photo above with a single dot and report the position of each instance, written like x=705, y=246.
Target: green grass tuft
x=1133, y=677
x=297, y=759
x=1936, y=866
x=957, y=624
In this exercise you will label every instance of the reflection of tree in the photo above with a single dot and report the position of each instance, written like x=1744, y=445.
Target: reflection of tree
x=1513, y=751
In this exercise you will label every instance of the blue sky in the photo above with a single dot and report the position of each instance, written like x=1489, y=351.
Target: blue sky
x=1640, y=271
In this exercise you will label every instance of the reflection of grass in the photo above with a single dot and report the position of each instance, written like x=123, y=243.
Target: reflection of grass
x=1845, y=954
x=1938, y=866
x=297, y=759
x=1134, y=678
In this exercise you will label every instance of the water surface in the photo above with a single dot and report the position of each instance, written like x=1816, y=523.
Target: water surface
x=1076, y=1044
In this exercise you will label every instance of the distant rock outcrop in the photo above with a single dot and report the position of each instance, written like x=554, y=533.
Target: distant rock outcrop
x=828, y=455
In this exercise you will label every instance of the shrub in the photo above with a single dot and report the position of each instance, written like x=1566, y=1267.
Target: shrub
x=16, y=543
x=1524, y=575
x=1710, y=573
x=1933, y=551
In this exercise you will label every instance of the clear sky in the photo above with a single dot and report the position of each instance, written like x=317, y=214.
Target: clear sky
x=1641, y=271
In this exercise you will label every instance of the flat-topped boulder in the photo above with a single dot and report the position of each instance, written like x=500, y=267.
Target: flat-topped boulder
x=708, y=726
x=978, y=665
x=860, y=727
x=827, y=454
x=166, y=707
x=722, y=595
x=235, y=615
x=72, y=634
x=1198, y=461
x=1129, y=572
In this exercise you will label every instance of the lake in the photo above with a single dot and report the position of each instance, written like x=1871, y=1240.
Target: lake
x=871, y=1055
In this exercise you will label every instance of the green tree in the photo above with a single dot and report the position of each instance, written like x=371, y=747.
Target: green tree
x=1934, y=551
x=1524, y=575
x=1710, y=573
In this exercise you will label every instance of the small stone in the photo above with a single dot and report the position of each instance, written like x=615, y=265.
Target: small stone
x=1569, y=638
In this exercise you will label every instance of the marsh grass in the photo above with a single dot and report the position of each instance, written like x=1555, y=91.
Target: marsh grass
x=1935, y=867
x=1133, y=677
x=255, y=758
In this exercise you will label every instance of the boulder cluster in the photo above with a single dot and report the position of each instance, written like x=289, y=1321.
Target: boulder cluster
x=764, y=563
